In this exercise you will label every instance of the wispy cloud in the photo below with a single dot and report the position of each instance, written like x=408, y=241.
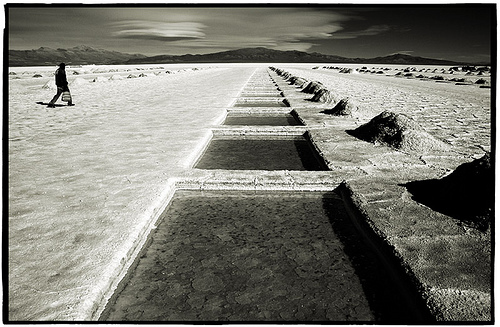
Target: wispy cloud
x=370, y=31
x=162, y=31
x=233, y=28
x=302, y=46
x=199, y=31
x=405, y=52
x=233, y=43
x=297, y=29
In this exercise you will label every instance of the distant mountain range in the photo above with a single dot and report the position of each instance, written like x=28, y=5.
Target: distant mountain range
x=82, y=55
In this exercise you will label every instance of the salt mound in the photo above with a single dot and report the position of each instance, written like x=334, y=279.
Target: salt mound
x=312, y=87
x=301, y=81
x=345, y=107
x=398, y=131
x=99, y=79
x=467, y=194
x=346, y=71
x=297, y=81
x=116, y=77
x=324, y=95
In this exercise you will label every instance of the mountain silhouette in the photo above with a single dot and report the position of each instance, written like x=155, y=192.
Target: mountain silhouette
x=79, y=55
x=246, y=55
x=82, y=55
x=400, y=58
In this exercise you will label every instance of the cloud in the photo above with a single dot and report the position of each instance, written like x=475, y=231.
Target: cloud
x=163, y=31
x=405, y=52
x=212, y=29
x=275, y=28
x=302, y=46
x=309, y=32
x=223, y=44
x=370, y=31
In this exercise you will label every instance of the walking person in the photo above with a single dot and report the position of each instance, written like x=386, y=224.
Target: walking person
x=62, y=87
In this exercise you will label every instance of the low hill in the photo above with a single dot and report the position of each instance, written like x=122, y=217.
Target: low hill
x=79, y=55
x=249, y=55
x=246, y=55
x=403, y=59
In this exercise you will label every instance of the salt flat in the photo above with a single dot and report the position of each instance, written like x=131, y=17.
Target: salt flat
x=449, y=261
x=85, y=181
x=459, y=114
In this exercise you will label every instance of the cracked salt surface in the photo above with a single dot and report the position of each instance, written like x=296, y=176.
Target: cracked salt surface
x=244, y=257
x=258, y=256
x=277, y=153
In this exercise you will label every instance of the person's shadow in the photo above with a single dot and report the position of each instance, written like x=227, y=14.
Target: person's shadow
x=55, y=105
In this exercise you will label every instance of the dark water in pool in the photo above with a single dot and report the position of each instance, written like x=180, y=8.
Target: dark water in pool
x=262, y=121
x=261, y=94
x=259, y=256
x=260, y=154
x=250, y=103
x=261, y=88
x=267, y=257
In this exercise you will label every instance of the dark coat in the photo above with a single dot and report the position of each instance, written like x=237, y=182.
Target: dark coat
x=61, y=80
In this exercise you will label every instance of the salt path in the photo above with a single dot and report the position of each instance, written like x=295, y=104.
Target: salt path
x=86, y=182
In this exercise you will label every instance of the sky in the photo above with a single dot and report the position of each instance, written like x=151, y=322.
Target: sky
x=453, y=32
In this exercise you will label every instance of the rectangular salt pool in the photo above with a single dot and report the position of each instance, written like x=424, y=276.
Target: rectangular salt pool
x=258, y=256
x=244, y=257
x=261, y=153
x=261, y=120
x=266, y=102
x=262, y=94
